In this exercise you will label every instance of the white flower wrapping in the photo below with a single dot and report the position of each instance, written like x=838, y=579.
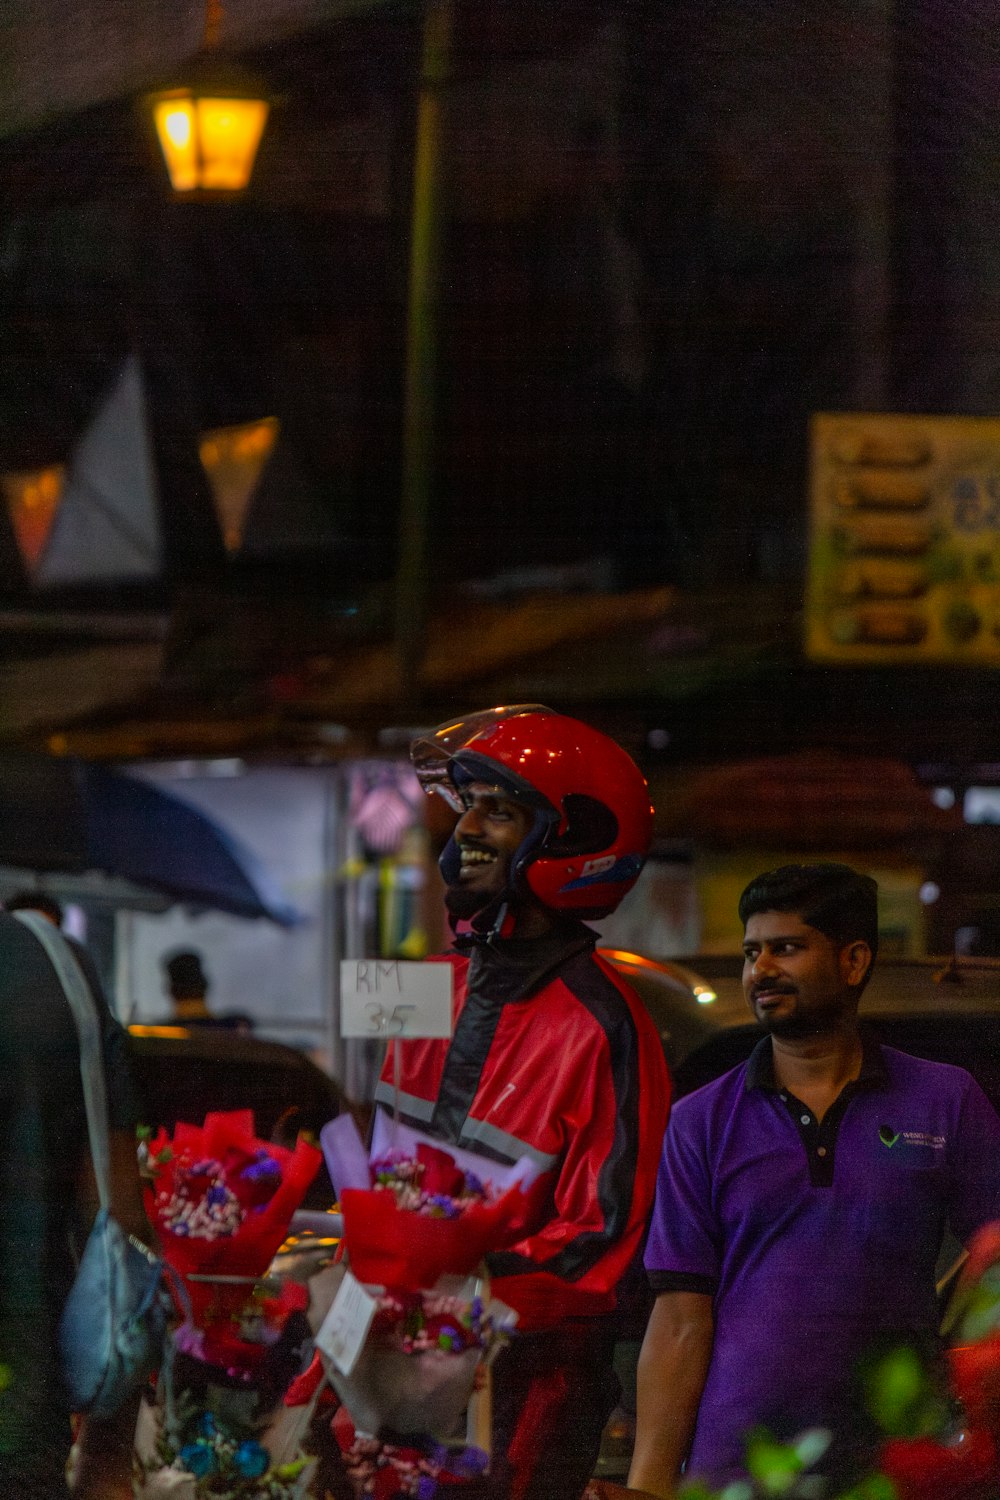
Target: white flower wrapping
x=389, y=1393
x=397, y=1384
x=403, y=1376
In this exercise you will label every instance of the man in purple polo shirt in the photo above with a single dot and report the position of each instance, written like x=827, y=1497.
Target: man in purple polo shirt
x=802, y=1199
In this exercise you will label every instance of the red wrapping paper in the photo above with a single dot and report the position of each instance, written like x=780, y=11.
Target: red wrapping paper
x=922, y=1469
x=975, y=1367
x=228, y=1138
x=975, y=1372
x=394, y=1247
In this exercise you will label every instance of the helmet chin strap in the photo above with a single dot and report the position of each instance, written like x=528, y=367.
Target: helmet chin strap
x=489, y=925
x=496, y=931
x=498, y=918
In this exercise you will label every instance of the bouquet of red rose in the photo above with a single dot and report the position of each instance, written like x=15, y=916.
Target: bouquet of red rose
x=222, y=1201
x=416, y=1372
x=416, y=1238
x=944, y=1443
x=975, y=1319
x=425, y=1216
x=391, y=1471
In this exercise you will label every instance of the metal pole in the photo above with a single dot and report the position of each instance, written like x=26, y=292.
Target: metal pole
x=331, y=929
x=421, y=349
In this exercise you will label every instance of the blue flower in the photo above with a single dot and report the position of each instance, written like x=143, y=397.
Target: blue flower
x=261, y=1168
x=199, y=1459
x=207, y=1425
x=468, y=1463
x=251, y=1460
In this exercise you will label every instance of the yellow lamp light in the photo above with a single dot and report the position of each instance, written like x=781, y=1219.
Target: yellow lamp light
x=209, y=140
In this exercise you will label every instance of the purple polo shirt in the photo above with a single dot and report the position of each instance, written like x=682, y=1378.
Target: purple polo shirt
x=813, y=1238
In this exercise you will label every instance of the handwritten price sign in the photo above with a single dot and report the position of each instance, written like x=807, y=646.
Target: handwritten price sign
x=385, y=998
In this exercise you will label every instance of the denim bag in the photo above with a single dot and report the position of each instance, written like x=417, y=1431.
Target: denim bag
x=114, y=1319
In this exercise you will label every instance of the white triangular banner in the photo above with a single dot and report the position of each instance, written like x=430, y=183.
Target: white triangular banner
x=108, y=525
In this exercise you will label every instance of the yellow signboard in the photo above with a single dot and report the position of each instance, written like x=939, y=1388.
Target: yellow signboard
x=904, y=557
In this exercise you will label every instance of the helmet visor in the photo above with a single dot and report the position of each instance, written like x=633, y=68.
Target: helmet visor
x=432, y=754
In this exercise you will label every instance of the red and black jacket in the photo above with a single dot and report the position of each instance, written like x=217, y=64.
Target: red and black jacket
x=552, y=1057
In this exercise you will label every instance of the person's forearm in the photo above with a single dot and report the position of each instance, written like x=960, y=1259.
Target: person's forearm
x=673, y=1365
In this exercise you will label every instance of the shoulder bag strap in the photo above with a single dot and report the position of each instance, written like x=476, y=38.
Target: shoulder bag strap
x=81, y=1003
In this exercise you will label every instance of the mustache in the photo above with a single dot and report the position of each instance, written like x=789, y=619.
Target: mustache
x=762, y=987
x=483, y=848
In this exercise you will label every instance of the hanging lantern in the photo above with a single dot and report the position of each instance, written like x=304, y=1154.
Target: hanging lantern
x=209, y=140
x=210, y=124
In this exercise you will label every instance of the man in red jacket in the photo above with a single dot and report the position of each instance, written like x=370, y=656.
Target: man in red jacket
x=552, y=1057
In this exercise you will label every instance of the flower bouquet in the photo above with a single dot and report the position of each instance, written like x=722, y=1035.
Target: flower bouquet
x=415, y=1239
x=417, y=1369
x=221, y=1201
x=390, y=1471
x=960, y=1460
x=425, y=1216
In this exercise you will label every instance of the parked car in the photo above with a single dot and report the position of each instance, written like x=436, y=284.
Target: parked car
x=181, y=1073
x=947, y=1010
x=683, y=1002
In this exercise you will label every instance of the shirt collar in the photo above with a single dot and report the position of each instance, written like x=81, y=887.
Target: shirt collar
x=760, y=1065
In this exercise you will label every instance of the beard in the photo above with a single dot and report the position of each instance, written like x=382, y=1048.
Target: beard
x=463, y=902
x=821, y=1021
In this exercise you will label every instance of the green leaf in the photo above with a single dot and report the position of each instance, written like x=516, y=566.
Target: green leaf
x=871, y=1487
x=740, y=1489
x=981, y=1313
x=903, y=1395
x=291, y=1470
x=775, y=1466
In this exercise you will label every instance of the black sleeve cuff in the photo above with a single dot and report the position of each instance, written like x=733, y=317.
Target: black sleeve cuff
x=682, y=1281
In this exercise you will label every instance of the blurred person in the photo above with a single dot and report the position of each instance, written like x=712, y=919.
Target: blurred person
x=47, y=1202
x=33, y=899
x=802, y=1201
x=552, y=1056
x=188, y=986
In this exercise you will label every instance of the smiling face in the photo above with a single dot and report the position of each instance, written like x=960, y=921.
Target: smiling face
x=489, y=833
x=797, y=981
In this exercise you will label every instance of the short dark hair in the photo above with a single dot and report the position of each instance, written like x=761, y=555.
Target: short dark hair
x=36, y=901
x=185, y=975
x=835, y=899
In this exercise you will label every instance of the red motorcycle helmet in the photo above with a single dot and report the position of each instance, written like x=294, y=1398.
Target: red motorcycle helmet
x=593, y=820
